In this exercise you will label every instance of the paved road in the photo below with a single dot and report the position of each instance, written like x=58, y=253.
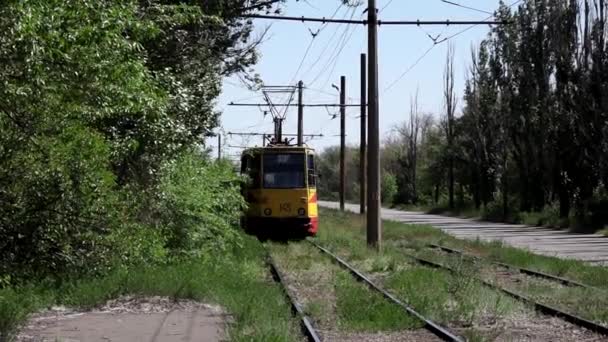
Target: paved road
x=588, y=247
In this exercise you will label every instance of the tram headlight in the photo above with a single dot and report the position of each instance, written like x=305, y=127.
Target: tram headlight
x=301, y=212
x=267, y=211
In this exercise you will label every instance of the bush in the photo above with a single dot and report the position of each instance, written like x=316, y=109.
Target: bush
x=199, y=205
x=549, y=216
x=58, y=206
x=389, y=187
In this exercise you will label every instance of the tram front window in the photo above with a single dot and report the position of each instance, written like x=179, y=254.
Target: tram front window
x=284, y=171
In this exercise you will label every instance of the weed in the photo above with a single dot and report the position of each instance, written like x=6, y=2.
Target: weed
x=317, y=308
x=360, y=309
x=448, y=298
x=237, y=283
x=418, y=236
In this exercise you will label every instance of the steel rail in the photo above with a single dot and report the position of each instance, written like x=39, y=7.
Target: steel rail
x=527, y=271
x=435, y=328
x=542, y=308
x=305, y=322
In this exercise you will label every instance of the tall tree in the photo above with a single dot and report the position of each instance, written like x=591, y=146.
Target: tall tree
x=450, y=103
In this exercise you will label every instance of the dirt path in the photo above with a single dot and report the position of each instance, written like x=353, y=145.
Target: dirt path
x=129, y=320
x=587, y=247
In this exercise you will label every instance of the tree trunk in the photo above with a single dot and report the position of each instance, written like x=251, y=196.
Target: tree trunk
x=451, y=182
x=505, y=198
x=437, y=194
x=476, y=196
x=564, y=202
x=461, y=195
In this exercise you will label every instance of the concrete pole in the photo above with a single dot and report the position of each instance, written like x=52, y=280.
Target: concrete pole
x=363, y=139
x=342, y=141
x=219, y=146
x=374, y=224
x=300, y=114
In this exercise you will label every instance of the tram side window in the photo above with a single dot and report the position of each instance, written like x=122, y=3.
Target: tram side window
x=284, y=171
x=251, y=167
x=312, y=174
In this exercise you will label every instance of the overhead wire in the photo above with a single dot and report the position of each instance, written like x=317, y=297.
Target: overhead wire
x=309, y=47
x=466, y=7
x=325, y=47
x=337, y=49
x=410, y=68
x=471, y=26
x=336, y=95
x=337, y=56
x=435, y=43
x=329, y=61
x=312, y=40
x=385, y=6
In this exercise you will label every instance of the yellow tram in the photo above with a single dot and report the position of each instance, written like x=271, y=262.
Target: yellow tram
x=282, y=192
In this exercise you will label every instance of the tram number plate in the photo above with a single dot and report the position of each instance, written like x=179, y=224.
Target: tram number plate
x=285, y=207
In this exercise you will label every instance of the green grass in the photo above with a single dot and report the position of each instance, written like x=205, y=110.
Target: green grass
x=360, y=309
x=343, y=233
x=455, y=300
x=417, y=236
x=589, y=303
x=238, y=283
x=334, y=299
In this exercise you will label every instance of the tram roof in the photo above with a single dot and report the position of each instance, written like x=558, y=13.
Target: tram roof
x=279, y=148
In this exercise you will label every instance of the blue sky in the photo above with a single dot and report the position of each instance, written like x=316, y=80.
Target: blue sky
x=399, y=48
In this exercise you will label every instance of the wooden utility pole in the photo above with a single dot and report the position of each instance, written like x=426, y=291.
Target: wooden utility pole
x=374, y=223
x=300, y=113
x=263, y=140
x=363, y=140
x=219, y=146
x=342, y=141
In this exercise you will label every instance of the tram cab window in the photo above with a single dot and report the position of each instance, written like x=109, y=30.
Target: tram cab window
x=284, y=171
x=312, y=174
x=250, y=165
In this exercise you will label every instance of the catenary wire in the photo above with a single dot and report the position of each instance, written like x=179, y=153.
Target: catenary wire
x=466, y=7
x=435, y=44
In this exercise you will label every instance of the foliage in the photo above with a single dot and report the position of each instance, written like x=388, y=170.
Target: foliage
x=100, y=104
x=533, y=131
x=389, y=187
x=236, y=281
x=199, y=206
x=328, y=166
x=59, y=199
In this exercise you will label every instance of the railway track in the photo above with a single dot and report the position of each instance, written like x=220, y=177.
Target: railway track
x=527, y=271
x=431, y=326
x=542, y=308
x=305, y=322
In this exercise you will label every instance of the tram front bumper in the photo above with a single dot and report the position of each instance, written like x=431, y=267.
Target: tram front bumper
x=284, y=224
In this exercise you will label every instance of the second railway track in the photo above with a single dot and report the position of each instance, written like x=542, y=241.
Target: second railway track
x=540, y=307
x=527, y=271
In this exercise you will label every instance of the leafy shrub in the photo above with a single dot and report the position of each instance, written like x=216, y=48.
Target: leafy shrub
x=199, y=205
x=58, y=205
x=493, y=211
x=389, y=187
x=549, y=216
